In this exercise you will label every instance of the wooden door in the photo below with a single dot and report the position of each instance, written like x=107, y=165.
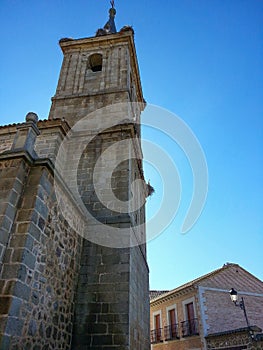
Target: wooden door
x=157, y=323
x=190, y=318
x=172, y=323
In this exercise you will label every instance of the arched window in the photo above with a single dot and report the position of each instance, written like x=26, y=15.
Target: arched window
x=95, y=62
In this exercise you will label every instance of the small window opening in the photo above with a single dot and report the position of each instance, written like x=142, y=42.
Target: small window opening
x=95, y=62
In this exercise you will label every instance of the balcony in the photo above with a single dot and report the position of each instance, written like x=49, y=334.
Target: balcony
x=171, y=332
x=156, y=336
x=190, y=328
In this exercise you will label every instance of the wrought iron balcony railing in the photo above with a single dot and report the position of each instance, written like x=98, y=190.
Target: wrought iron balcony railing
x=171, y=332
x=156, y=335
x=190, y=327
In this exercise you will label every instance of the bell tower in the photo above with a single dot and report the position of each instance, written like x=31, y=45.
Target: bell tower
x=96, y=72
x=111, y=306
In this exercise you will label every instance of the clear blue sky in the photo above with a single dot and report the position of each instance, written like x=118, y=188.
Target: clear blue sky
x=200, y=59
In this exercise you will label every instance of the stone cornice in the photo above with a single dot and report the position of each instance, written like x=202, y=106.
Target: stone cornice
x=42, y=124
x=172, y=295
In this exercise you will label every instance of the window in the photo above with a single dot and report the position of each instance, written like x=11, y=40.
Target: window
x=171, y=330
x=156, y=333
x=95, y=62
x=157, y=323
x=190, y=325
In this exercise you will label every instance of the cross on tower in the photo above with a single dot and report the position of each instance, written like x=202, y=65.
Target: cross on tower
x=112, y=3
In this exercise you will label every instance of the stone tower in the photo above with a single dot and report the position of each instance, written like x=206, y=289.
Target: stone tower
x=77, y=278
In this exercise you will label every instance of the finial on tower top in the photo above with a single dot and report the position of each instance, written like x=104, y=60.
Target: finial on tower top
x=109, y=27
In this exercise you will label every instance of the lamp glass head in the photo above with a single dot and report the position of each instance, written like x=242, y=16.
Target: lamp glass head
x=233, y=295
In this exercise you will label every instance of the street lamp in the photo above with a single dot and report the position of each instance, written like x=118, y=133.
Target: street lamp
x=241, y=304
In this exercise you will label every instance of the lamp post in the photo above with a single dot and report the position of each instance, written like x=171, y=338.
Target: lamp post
x=241, y=304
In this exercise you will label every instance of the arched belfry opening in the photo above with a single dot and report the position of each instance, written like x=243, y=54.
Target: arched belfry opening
x=95, y=62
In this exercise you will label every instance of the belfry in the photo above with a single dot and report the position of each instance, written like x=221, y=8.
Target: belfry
x=73, y=268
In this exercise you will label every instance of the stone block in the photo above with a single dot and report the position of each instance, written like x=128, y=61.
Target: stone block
x=105, y=307
x=14, y=326
x=120, y=307
x=81, y=341
x=102, y=340
x=106, y=318
x=111, y=259
x=24, y=215
x=18, y=186
x=3, y=321
x=4, y=342
x=15, y=307
x=41, y=208
x=96, y=328
x=46, y=184
x=120, y=339
x=4, y=235
x=6, y=224
x=6, y=183
x=3, y=206
x=94, y=308
x=118, y=328
x=5, y=302
x=2, y=247
x=34, y=231
x=10, y=271
x=110, y=278
x=24, y=256
x=21, y=290
x=32, y=328
x=10, y=212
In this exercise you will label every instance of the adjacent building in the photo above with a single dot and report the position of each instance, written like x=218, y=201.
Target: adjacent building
x=201, y=315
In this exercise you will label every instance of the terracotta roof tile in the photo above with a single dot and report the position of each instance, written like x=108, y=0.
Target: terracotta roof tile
x=156, y=293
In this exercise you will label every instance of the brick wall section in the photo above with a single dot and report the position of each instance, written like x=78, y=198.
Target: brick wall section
x=222, y=315
x=234, y=276
x=39, y=271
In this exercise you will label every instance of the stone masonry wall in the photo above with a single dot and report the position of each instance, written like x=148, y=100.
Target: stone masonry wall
x=119, y=181
x=81, y=91
x=50, y=139
x=6, y=141
x=59, y=290
x=139, y=290
x=111, y=280
x=102, y=300
x=78, y=78
x=232, y=341
x=12, y=176
x=38, y=276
